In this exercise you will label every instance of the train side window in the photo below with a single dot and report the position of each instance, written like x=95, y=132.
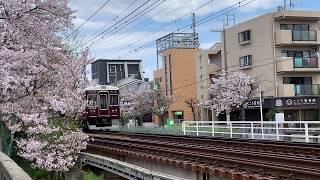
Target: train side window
x=114, y=100
x=92, y=100
x=103, y=101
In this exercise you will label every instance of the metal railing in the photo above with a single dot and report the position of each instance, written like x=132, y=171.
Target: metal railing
x=123, y=169
x=9, y=170
x=306, y=89
x=304, y=35
x=300, y=131
x=175, y=130
x=311, y=62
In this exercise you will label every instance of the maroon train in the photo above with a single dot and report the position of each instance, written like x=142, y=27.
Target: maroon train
x=102, y=107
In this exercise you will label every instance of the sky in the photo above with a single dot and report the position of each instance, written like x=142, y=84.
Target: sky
x=120, y=29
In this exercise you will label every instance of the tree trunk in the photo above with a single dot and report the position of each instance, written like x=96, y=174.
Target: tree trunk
x=10, y=145
x=193, y=113
x=162, y=120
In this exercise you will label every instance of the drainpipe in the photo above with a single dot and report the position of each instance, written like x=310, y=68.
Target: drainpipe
x=274, y=60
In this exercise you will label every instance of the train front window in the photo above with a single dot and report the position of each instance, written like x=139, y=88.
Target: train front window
x=103, y=101
x=114, y=100
x=92, y=100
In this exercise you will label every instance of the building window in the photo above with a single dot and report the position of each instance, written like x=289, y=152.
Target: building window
x=245, y=61
x=297, y=80
x=92, y=99
x=114, y=100
x=244, y=36
x=103, y=101
x=296, y=27
x=210, y=61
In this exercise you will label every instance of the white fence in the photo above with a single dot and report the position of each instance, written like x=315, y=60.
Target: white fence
x=301, y=131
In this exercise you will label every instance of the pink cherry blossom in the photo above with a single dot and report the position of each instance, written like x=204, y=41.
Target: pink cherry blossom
x=230, y=90
x=40, y=82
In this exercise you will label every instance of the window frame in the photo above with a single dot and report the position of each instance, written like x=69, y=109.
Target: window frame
x=96, y=100
x=111, y=101
x=107, y=104
x=246, y=36
x=247, y=61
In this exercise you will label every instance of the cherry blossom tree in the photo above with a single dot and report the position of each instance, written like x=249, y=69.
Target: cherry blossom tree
x=162, y=103
x=149, y=99
x=40, y=81
x=136, y=103
x=231, y=90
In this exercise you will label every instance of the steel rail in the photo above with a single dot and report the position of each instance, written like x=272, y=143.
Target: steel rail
x=230, y=153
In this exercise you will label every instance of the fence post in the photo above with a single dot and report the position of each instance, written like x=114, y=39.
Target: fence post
x=277, y=130
x=212, y=128
x=252, y=130
x=230, y=129
x=197, y=125
x=184, y=128
x=262, y=130
x=306, y=130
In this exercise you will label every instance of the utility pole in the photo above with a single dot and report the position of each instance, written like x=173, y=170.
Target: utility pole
x=194, y=23
x=226, y=25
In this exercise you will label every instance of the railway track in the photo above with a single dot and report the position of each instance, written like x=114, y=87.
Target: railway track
x=231, y=158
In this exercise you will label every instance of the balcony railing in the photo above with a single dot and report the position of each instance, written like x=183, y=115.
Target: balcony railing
x=305, y=62
x=307, y=89
x=304, y=35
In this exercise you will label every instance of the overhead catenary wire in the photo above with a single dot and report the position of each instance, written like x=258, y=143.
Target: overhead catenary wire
x=88, y=19
x=127, y=22
x=152, y=33
x=115, y=18
x=119, y=21
x=187, y=27
x=158, y=13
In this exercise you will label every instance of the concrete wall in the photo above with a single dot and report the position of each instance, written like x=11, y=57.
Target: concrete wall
x=9, y=170
x=260, y=48
x=172, y=170
x=183, y=78
x=183, y=69
x=203, y=70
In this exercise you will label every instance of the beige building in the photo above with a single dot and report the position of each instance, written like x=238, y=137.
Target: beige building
x=207, y=65
x=280, y=50
x=177, y=74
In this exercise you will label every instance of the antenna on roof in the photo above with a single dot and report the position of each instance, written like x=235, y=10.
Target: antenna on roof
x=193, y=23
x=291, y=4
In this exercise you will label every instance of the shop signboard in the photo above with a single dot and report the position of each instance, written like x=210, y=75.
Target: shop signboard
x=286, y=102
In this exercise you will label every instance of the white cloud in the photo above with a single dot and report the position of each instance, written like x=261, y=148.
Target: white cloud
x=120, y=42
x=90, y=25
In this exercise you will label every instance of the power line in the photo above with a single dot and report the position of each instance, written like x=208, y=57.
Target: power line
x=204, y=20
x=132, y=12
x=127, y=22
x=168, y=24
x=158, y=13
x=102, y=6
x=115, y=18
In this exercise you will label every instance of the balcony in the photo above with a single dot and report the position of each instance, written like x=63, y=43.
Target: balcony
x=289, y=90
x=297, y=38
x=291, y=64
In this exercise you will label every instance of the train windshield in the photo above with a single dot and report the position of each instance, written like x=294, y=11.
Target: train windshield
x=103, y=101
x=92, y=100
x=114, y=100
